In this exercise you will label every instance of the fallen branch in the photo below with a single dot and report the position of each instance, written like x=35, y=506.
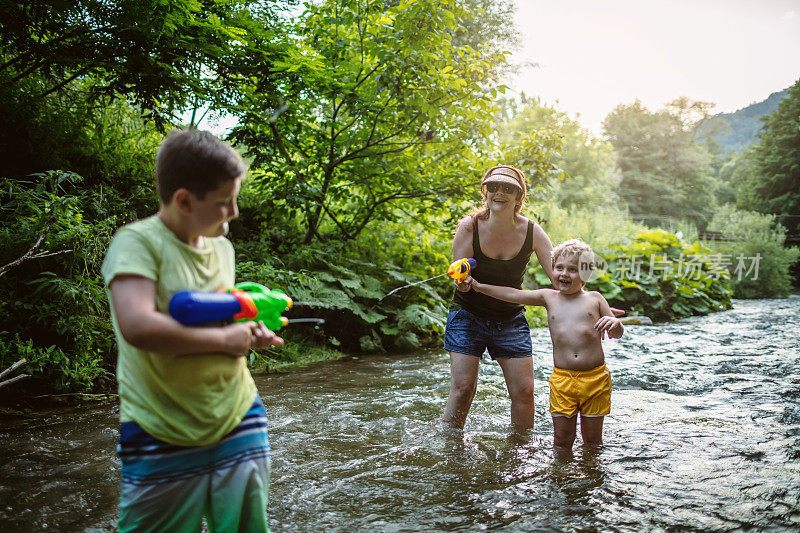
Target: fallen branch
x=82, y=395
x=31, y=253
x=13, y=380
x=10, y=370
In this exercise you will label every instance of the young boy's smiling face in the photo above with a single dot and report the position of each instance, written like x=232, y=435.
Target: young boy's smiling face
x=567, y=273
x=217, y=208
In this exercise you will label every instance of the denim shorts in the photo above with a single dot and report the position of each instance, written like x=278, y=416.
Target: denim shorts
x=472, y=335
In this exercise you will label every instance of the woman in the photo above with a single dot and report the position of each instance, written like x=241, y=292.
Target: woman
x=502, y=241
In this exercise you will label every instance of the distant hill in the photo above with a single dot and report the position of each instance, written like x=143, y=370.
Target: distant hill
x=734, y=131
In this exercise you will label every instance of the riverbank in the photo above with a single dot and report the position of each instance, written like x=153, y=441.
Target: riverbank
x=292, y=356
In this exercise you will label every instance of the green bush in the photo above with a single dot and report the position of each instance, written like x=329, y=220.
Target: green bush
x=757, y=260
x=345, y=283
x=54, y=368
x=54, y=304
x=660, y=276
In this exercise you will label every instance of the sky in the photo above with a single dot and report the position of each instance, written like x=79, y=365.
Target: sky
x=595, y=55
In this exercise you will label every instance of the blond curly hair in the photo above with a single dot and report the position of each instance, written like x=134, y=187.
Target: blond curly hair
x=570, y=248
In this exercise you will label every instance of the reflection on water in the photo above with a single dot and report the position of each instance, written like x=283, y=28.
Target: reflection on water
x=704, y=435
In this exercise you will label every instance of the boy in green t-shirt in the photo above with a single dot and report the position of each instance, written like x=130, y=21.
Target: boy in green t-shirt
x=193, y=437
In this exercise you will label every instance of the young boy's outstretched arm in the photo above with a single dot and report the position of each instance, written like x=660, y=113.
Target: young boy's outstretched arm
x=509, y=294
x=145, y=328
x=608, y=323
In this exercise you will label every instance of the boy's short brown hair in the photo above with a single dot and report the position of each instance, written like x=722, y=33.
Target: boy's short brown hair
x=570, y=248
x=194, y=160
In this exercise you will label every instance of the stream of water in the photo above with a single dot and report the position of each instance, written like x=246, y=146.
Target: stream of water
x=704, y=435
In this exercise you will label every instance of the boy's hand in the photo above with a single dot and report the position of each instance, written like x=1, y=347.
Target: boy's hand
x=263, y=338
x=465, y=285
x=237, y=338
x=610, y=325
x=242, y=337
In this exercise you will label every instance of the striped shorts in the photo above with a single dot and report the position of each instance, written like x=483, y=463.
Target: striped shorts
x=171, y=488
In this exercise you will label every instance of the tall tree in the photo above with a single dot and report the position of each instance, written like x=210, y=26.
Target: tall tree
x=63, y=62
x=395, y=113
x=163, y=56
x=587, y=162
x=665, y=171
x=776, y=164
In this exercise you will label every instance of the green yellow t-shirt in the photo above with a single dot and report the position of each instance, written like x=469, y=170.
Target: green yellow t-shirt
x=188, y=400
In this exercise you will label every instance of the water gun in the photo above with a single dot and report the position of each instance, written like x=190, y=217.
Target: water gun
x=460, y=269
x=246, y=301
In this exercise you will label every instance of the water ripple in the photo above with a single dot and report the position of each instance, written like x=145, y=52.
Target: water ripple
x=704, y=435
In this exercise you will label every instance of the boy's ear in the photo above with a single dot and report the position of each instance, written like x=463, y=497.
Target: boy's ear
x=182, y=200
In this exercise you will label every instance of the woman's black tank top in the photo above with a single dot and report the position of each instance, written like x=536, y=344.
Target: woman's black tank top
x=506, y=272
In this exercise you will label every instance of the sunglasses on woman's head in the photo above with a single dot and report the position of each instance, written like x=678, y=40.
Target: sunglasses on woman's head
x=493, y=187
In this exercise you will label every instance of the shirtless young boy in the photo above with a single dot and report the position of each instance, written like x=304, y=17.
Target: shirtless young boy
x=578, y=321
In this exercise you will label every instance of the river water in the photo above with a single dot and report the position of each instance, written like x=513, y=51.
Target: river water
x=704, y=435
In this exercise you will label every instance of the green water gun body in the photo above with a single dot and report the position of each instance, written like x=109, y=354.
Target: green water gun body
x=246, y=301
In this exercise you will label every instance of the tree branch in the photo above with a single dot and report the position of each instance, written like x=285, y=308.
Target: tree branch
x=30, y=254
x=11, y=369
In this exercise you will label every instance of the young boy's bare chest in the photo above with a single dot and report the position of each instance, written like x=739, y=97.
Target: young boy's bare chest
x=571, y=322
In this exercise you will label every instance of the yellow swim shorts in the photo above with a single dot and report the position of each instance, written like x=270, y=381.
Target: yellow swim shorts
x=587, y=392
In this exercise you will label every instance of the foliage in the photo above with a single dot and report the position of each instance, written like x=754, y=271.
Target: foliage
x=486, y=24
x=54, y=368
x=677, y=279
x=393, y=118
x=55, y=305
x=603, y=226
x=750, y=235
x=732, y=180
x=665, y=171
x=588, y=176
x=776, y=162
x=295, y=354
x=110, y=146
x=162, y=56
x=345, y=283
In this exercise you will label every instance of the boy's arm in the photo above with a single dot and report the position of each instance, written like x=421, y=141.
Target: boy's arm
x=144, y=327
x=608, y=323
x=509, y=294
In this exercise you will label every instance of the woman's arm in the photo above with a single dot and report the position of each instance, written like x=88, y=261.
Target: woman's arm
x=544, y=250
x=462, y=245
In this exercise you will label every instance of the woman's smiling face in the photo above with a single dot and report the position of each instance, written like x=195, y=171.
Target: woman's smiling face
x=501, y=195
